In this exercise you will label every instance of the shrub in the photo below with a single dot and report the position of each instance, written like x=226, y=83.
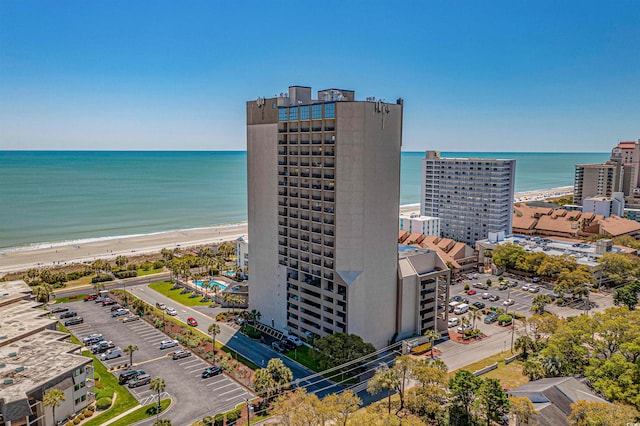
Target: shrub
x=103, y=404
x=158, y=264
x=489, y=282
x=132, y=267
x=466, y=287
x=559, y=301
x=500, y=278
x=91, y=408
x=232, y=416
x=101, y=278
x=146, y=266
x=80, y=416
x=505, y=319
x=87, y=413
x=105, y=393
x=126, y=274
x=218, y=420
x=69, y=423
x=76, y=421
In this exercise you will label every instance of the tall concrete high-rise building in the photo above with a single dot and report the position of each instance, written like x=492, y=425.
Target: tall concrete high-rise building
x=597, y=180
x=323, y=197
x=471, y=196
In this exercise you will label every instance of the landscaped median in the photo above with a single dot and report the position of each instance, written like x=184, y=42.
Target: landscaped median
x=167, y=288
x=510, y=375
x=105, y=386
x=142, y=413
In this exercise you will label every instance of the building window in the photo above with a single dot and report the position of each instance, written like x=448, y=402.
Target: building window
x=329, y=110
x=316, y=111
x=293, y=113
x=304, y=112
x=283, y=114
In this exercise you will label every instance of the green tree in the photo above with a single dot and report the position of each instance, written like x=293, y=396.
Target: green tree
x=463, y=387
x=539, y=303
x=130, y=349
x=345, y=404
x=506, y=255
x=121, y=261
x=522, y=409
x=157, y=385
x=43, y=292
x=273, y=379
x=492, y=401
x=592, y=413
x=340, y=348
x=162, y=422
x=575, y=282
x=384, y=378
x=617, y=268
x=553, y=266
x=53, y=398
x=474, y=315
x=214, y=330
x=533, y=369
x=524, y=343
x=432, y=335
x=625, y=296
x=530, y=262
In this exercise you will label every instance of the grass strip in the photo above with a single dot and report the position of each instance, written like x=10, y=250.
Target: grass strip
x=510, y=375
x=142, y=413
x=69, y=299
x=142, y=272
x=165, y=288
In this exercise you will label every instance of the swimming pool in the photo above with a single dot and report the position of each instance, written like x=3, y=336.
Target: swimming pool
x=218, y=284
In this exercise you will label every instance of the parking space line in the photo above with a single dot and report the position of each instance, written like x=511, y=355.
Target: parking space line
x=190, y=367
x=238, y=396
x=223, y=386
x=191, y=361
x=232, y=390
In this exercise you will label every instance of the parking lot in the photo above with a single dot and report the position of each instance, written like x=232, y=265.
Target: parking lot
x=194, y=397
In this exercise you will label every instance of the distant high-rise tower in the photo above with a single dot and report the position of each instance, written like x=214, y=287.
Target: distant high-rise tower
x=597, y=180
x=471, y=196
x=323, y=195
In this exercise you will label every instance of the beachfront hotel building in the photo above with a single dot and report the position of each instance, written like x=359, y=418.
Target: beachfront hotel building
x=470, y=196
x=426, y=225
x=323, y=201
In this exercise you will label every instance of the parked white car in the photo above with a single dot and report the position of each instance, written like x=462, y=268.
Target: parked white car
x=166, y=344
x=453, y=322
x=508, y=302
x=295, y=340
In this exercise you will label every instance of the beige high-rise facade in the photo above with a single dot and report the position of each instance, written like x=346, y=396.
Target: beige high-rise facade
x=323, y=196
x=597, y=180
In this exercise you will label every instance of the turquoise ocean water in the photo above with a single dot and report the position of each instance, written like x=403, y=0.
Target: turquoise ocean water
x=55, y=196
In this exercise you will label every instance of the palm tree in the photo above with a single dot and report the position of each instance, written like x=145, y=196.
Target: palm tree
x=97, y=265
x=97, y=287
x=130, y=350
x=121, y=261
x=43, y=292
x=53, y=398
x=214, y=329
x=206, y=285
x=384, y=378
x=432, y=335
x=158, y=385
x=474, y=315
x=533, y=369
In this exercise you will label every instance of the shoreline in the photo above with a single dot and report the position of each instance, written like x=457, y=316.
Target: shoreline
x=61, y=253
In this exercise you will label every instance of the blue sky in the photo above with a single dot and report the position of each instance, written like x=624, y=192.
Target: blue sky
x=167, y=75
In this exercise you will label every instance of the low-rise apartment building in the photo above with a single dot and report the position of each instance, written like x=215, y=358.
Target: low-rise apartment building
x=35, y=358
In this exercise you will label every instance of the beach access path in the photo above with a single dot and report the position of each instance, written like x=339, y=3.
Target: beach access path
x=23, y=259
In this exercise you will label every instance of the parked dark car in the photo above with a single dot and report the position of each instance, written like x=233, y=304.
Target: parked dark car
x=59, y=309
x=74, y=321
x=288, y=344
x=211, y=371
x=69, y=314
x=128, y=375
x=479, y=305
x=115, y=307
x=108, y=302
x=456, y=298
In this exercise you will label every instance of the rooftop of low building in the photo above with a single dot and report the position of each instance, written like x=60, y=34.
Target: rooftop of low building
x=22, y=318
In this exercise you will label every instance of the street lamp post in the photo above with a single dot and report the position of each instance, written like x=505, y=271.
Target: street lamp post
x=246, y=400
x=506, y=310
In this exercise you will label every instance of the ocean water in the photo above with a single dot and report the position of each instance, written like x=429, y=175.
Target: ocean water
x=56, y=196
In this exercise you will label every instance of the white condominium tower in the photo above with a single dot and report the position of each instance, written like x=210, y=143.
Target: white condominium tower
x=323, y=196
x=471, y=196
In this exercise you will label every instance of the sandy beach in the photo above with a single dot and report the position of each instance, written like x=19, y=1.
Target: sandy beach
x=19, y=260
